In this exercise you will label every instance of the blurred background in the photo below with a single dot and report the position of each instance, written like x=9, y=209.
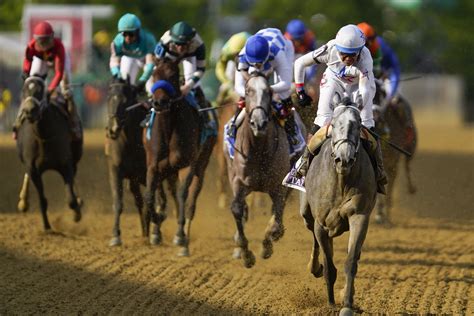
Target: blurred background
x=433, y=38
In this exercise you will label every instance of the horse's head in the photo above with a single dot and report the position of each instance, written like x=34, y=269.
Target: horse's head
x=121, y=95
x=168, y=70
x=258, y=99
x=345, y=137
x=33, y=97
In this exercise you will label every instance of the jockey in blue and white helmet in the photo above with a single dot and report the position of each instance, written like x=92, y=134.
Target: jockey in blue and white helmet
x=268, y=51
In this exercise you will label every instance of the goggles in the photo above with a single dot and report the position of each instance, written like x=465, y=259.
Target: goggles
x=129, y=34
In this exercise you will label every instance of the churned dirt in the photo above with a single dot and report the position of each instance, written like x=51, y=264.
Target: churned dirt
x=424, y=263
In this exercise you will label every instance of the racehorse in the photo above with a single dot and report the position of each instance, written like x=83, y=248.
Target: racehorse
x=173, y=145
x=124, y=150
x=44, y=142
x=340, y=195
x=261, y=160
x=395, y=122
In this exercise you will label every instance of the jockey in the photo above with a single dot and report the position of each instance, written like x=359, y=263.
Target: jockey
x=45, y=51
x=183, y=43
x=348, y=73
x=268, y=51
x=385, y=60
x=131, y=50
x=304, y=42
x=226, y=64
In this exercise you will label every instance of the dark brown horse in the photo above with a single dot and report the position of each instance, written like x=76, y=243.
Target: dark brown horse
x=124, y=150
x=340, y=195
x=45, y=143
x=173, y=146
x=260, y=162
x=395, y=122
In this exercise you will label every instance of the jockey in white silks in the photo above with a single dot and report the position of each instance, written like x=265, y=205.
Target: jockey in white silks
x=348, y=74
x=267, y=52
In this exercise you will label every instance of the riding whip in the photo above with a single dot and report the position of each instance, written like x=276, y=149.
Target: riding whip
x=377, y=136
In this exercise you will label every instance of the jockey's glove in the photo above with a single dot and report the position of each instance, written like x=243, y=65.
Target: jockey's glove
x=287, y=103
x=304, y=100
x=241, y=103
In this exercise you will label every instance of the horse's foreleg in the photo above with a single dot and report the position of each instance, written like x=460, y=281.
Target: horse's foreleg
x=116, y=187
x=275, y=229
x=237, y=207
x=411, y=185
x=161, y=199
x=137, y=195
x=36, y=178
x=172, y=185
x=305, y=210
x=149, y=214
x=180, y=238
x=358, y=225
x=23, y=198
x=197, y=181
x=329, y=269
x=74, y=202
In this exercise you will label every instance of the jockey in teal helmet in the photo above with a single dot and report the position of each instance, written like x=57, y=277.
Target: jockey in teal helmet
x=131, y=50
x=183, y=43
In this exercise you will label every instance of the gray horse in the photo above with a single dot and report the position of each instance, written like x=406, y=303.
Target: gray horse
x=45, y=143
x=340, y=195
x=260, y=163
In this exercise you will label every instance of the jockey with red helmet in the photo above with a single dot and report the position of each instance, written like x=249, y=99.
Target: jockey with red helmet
x=45, y=51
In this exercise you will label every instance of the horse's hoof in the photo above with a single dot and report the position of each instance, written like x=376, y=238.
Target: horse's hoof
x=237, y=254
x=79, y=202
x=316, y=272
x=179, y=240
x=22, y=206
x=267, y=250
x=77, y=216
x=346, y=311
x=155, y=239
x=278, y=233
x=183, y=252
x=249, y=259
x=115, y=241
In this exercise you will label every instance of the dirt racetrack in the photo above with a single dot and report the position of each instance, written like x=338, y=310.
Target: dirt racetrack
x=424, y=264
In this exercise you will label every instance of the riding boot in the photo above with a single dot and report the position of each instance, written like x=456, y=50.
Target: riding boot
x=74, y=120
x=232, y=129
x=308, y=155
x=305, y=160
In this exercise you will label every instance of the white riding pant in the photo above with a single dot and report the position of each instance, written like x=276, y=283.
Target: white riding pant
x=40, y=67
x=129, y=68
x=331, y=92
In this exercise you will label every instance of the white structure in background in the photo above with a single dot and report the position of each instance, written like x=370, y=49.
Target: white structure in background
x=71, y=23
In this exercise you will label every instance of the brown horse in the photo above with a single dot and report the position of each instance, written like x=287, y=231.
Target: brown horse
x=45, y=143
x=172, y=146
x=340, y=195
x=395, y=122
x=124, y=150
x=260, y=162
